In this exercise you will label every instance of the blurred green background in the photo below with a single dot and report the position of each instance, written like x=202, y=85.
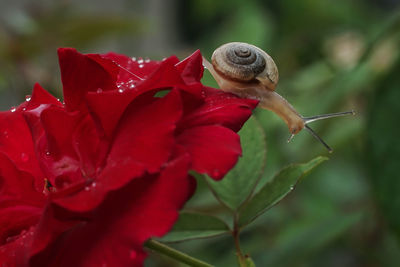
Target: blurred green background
x=332, y=56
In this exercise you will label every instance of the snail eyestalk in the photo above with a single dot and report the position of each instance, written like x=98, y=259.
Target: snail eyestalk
x=308, y=120
x=316, y=136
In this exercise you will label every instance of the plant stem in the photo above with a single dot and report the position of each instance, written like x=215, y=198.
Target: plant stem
x=174, y=254
x=235, y=233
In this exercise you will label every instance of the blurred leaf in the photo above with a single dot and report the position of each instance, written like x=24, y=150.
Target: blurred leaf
x=239, y=183
x=384, y=147
x=249, y=262
x=309, y=237
x=195, y=225
x=275, y=190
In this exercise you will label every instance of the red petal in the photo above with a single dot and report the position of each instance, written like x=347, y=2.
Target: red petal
x=17, y=186
x=20, y=208
x=220, y=108
x=141, y=68
x=143, y=142
x=83, y=73
x=109, y=106
x=145, y=132
x=115, y=233
x=191, y=68
x=213, y=149
x=16, y=142
x=41, y=96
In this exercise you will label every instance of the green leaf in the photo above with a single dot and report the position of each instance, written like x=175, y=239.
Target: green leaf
x=195, y=225
x=249, y=262
x=304, y=238
x=239, y=183
x=276, y=189
x=383, y=148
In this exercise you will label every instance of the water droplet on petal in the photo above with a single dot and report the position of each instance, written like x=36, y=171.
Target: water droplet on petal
x=87, y=188
x=94, y=184
x=47, y=153
x=99, y=90
x=134, y=58
x=147, y=60
x=28, y=98
x=120, y=90
x=24, y=157
x=132, y=254
x=215, y=173
x=140, y=61
x=141, y=66
x=13, y=109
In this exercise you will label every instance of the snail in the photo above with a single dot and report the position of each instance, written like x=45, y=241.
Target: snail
x=248, y=72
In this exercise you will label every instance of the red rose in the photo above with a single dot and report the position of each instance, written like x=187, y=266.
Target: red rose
x=87, y=182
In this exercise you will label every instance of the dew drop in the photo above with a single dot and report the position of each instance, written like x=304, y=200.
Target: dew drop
x=28, y=98
x=87, y=188
x=147, y=60
x=215, y=173
x=47, y=153
x=134, y=58
x=291, y=188
x=132, y=254
x=120, y=90
x=24, y=157
x=94, y=184
x=140, y=61
x=141, y=66
x=99, y=90
x=13, y=109
x=131, y=86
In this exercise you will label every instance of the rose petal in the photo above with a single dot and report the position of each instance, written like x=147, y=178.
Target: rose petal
x=115, y=103
x=143, y=142
x=83, y=73
x=220, y=108
x=115, y=233
x=141, y=68
x=16, y=142
x=191, y=68
x=213, y=149
x=41, y=96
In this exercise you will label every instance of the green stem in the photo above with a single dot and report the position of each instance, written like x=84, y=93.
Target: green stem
x=235, y=233
x=174, y=254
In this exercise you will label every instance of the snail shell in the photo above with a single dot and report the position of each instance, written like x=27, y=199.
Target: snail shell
x=242, y=62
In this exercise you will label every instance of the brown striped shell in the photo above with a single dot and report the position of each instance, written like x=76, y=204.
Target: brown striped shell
x=242, y=62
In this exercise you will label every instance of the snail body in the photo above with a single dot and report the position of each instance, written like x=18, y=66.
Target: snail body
x=248, y=72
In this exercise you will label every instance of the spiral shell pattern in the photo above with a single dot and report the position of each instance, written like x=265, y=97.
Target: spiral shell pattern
x=238, y=61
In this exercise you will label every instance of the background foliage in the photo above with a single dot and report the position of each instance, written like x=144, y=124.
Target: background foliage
x=332, y=56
